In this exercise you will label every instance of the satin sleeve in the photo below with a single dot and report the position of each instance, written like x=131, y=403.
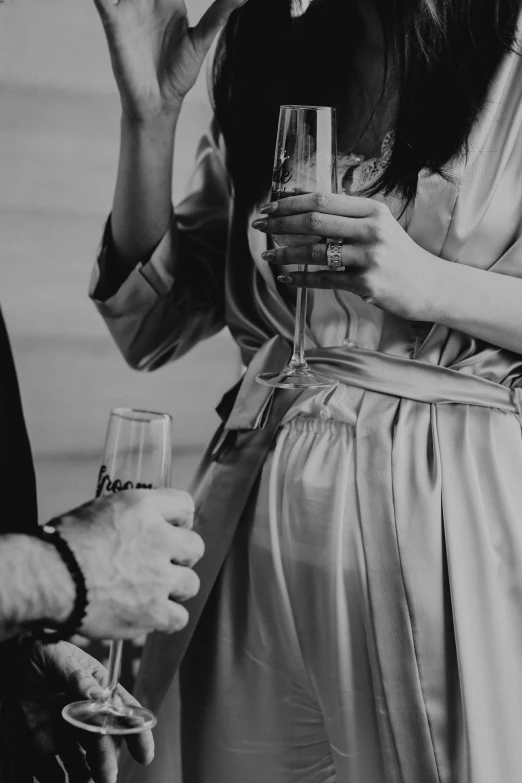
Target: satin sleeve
x=156, y=315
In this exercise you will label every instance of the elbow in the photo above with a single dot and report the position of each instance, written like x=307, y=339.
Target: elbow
x=150, y=360
x=138, y=362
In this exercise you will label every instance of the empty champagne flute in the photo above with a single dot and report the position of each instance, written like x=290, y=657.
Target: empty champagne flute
x=137, y=455
x=305, y=162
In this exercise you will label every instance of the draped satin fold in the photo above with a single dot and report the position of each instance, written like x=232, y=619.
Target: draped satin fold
x=438, y=455
x=420, y=426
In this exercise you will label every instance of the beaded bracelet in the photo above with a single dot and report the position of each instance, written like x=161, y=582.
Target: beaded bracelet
x=51, y=535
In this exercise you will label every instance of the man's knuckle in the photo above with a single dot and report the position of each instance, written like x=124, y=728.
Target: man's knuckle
x=191, y=583
x=178, y=617
x=137, y=499
x=198, y=546
x=183, y=546
x=159, y=532
x=182, y=508
x=194, y=547
x=195, y=582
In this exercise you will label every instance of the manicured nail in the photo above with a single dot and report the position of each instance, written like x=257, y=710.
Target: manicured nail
x=285, y=278
x=261, y=224
x=268, y=209
x=268, y=255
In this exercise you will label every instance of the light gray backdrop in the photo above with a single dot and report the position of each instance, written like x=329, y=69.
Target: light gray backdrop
x=59, y=118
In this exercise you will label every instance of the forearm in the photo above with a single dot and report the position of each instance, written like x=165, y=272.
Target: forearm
x=35, y=585
x=483, y=304
x=142, y=204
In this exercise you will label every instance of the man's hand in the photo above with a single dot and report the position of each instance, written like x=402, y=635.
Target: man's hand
x=136, y=551
x=44, y=678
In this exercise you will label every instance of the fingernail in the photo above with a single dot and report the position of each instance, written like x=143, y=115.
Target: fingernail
x=267, y=209
x=268, y=255
x=285, y=278
x=260, y=224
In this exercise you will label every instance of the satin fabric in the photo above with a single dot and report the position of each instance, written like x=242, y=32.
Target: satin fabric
x=415, y=594
x=438, y=456
x=287, y=692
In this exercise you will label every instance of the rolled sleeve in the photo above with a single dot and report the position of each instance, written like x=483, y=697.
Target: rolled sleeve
x=154, y=315
x=140, y=287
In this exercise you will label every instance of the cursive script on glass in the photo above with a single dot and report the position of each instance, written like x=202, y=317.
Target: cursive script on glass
x=281, y=176
x=106, y=484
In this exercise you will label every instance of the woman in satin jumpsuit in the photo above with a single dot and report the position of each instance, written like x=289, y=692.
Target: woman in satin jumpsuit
x=360, y=612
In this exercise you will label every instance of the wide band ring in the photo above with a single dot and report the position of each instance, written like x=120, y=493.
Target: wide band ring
x=334, y=257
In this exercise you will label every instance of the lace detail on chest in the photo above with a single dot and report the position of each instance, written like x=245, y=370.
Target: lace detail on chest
x=356, y=172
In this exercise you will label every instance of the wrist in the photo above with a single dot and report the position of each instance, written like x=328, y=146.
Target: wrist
x=437, y=287
x=418, y=301
x=74, y=620
x=152, y=123
x=36, y=585
x=59, y=590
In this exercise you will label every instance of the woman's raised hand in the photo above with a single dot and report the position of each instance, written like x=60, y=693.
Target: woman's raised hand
x=156, y=56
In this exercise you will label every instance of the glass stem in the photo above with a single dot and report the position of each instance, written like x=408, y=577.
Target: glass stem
x=114, y=669
x=298, y=356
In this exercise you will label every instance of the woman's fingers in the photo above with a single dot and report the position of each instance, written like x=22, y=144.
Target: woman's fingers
x=211, y=22
x=313, y=255
x=315, y=223
x=325, y=215
x=342, y=281
x=329, y=203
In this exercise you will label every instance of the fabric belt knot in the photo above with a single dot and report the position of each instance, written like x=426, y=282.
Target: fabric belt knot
x=443, y=555
x=378, y=372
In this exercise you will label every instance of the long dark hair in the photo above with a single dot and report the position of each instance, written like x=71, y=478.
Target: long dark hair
x=444, y=54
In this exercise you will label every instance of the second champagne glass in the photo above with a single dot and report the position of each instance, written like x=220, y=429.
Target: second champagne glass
x=305, y=162
x=137, y=455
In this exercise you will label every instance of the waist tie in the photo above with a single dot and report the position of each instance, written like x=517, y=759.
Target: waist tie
x=373, y=371
x=419, y=598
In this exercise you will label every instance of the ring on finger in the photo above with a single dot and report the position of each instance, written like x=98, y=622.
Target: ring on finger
x=334, y=257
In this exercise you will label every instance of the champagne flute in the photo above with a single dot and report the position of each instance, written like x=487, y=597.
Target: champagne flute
x=305, y=162
x=137, y=455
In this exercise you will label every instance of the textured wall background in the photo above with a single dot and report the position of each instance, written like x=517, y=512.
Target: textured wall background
x=59, y=117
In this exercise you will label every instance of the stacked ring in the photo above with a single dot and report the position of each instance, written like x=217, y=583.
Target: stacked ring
x=334, y=256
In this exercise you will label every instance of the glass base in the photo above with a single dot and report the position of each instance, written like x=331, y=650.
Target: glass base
x=296, y=378
x=108, y=717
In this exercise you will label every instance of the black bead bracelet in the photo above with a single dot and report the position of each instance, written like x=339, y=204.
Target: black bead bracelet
x=51, y=535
